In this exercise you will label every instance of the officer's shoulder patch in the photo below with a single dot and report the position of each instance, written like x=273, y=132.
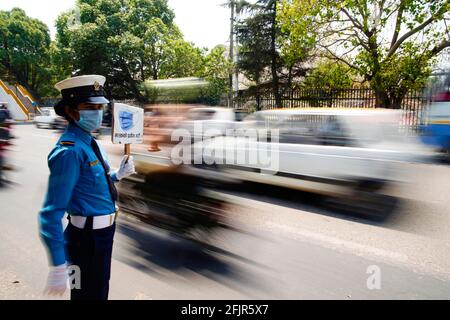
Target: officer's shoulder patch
x=93, y=163
x=67, y=143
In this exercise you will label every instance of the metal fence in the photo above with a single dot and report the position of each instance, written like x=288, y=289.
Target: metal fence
x=415, y=104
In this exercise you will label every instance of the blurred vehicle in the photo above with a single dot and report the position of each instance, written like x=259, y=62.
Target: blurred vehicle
x=436, y=132
x=47, y=119
x=5, y=141
x=350, y=155
x=4, y=112
x=213, y=121
x=60, y=124
x=167, y=197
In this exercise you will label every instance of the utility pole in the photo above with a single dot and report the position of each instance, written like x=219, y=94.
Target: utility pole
x=230, y=88
x=236, y=57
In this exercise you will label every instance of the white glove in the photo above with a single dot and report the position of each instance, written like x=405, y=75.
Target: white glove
x=126, y=168
x=57, y=280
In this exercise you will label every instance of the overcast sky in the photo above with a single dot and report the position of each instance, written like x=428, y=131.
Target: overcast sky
x=204, y=22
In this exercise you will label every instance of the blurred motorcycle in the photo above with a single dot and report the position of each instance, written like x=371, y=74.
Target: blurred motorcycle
x=175, y=202
x=5, y=142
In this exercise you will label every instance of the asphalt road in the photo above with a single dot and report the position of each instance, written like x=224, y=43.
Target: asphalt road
x=288, y=248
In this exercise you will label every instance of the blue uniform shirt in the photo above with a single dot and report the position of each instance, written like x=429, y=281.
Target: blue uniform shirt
x=77, y=185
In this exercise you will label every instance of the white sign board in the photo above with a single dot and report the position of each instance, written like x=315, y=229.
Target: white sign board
x=128, y=126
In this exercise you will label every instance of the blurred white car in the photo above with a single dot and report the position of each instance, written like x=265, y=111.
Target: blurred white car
x=350, y=154
x=212, y=121
x=47, y=119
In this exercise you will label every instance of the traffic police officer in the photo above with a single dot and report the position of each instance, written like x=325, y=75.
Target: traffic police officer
x=82, y=185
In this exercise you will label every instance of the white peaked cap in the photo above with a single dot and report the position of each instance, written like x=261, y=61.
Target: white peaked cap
x=81, y=81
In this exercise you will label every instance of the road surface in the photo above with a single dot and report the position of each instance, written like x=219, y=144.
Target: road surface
x=288, y=248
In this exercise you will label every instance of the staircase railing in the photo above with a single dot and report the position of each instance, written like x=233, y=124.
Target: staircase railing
x=16, y=99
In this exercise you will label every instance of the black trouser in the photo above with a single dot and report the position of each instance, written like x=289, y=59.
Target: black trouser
x=91, y=251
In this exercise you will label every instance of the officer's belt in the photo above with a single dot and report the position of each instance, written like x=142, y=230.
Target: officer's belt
x=99, y=222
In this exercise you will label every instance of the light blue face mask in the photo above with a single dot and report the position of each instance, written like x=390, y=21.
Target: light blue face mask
x=90, y=120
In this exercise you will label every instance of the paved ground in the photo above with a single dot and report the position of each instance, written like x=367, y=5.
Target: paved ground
x=289, y=249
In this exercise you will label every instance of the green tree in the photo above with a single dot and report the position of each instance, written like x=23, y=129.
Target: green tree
x=217, y=68
x=24, y=50
x=391, y=43
x=182, y=59
x=214, y=69
x=297, y=36
x=268, y=11
x=124, y=40
x=254, y=51
x=170, y=56
x=258, y=35
x=156, y=40
x=329, y=74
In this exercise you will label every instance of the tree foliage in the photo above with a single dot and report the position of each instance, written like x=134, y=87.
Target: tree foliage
x=24, y=50
x=298, y=30
x=263, y=41
x=329, y=74
x=128, y=41
x=257, y=35
x=391, y=43
x=254, y=48
x=208, y=88
x=216, y=71
x=182, y=59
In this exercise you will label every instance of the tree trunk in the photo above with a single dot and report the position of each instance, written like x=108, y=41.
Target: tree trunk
x=133, y=85
x=382, y=99
x=258, y=96
x=396, y=103
x=389, y=100
x=289, y=82
x=331, y=93
x=142, y=69
x=155, y=73
x=230, y=85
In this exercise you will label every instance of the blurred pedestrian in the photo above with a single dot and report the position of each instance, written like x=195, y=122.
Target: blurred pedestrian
x=151, y=127
x=81, y=184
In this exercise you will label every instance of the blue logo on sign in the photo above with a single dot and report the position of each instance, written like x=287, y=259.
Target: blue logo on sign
x=126, y=120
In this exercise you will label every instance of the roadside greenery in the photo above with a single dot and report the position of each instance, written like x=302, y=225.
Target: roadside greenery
x=128, y=41
x=25, y=51
x=391, y=44
x=208, y=89
x=388, y=45
x=329, y=74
